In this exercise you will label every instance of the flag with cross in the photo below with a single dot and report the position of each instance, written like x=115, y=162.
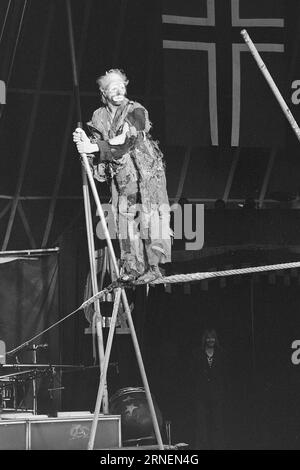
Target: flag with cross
x=215, y=94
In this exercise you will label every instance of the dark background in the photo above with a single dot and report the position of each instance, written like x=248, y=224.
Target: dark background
x=41, y=199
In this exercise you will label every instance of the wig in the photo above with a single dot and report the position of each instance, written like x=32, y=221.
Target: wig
x=104, y=80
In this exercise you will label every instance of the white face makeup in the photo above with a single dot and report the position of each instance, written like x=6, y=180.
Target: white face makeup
x=115, y=92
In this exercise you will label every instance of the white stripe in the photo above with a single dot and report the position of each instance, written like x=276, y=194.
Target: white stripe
x=213, y=107
x=187, y=20
x=188, y=45
x=236, y=83
x=210, y=20
x=211, y=12
x=236, y=95
x=258, y=22
x=212, y=78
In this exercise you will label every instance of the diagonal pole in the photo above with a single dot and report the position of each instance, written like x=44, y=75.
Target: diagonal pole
x=6, y=209
x=88, y=173
x=26, y=225
x=68, y=127
x=268, y=172
x=126, y=307
x=5, y=20
x=262, y=67
x=104, y=369
x=87, y=205
x=183, y=173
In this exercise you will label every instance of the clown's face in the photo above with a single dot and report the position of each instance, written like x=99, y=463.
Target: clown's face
x=115, y=92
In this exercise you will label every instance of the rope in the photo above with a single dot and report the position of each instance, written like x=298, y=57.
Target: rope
x=100, y=294
x=180, y=278
x=174, y=279
x=41, y=333
x=85, y=304
x=177, y=278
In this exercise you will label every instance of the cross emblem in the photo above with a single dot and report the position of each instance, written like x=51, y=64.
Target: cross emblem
x=205, y=27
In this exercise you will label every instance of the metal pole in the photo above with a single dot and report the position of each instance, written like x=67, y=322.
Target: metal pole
x=34, y=388
x=271, y=83
x=264, y=187
x=252, y=322
x=87, y=206
x=104, y=370
x=110, y=247
x=125, y=303
x=30, y=252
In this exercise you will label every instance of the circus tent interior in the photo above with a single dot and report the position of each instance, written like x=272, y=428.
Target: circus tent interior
x=232, y=165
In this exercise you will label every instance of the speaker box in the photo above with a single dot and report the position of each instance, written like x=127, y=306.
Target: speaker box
x=71, y=434
x=60, y=433
x=13, y=435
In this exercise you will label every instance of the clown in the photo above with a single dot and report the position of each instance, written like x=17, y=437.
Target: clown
x=124, y=154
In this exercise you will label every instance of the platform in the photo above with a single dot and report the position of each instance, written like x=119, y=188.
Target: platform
x=68, y=431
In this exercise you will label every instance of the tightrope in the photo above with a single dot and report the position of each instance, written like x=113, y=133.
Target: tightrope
x=191, y=277
x=178, y=278
x=173, y=279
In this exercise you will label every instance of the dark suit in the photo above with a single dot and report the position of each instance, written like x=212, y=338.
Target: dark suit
x=209, y=392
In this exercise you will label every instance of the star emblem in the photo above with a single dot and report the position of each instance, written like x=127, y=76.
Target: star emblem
x=129, y=409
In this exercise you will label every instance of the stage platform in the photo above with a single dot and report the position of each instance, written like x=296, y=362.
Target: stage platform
x=67, y=431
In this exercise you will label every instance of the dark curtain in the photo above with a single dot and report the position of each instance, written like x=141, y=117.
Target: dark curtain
x=256, y=323
x=28, y=305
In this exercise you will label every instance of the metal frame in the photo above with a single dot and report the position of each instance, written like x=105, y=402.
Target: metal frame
x=31, y=124
x=87, y=205
x=66, y=139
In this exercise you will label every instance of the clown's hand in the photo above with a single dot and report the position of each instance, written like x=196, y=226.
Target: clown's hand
x=120, y=139
x=82, y=142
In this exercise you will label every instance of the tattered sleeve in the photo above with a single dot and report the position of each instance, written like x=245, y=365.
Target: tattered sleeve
x=138, y=118
x=105, y=150
x=139, y=124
